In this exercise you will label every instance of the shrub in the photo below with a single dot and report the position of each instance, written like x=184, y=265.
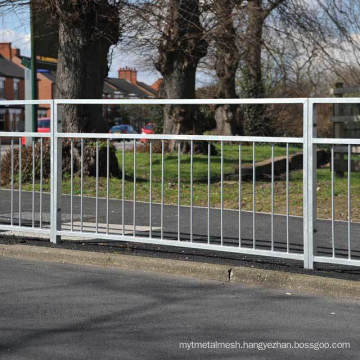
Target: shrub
x=26, y=162
x=89, y=160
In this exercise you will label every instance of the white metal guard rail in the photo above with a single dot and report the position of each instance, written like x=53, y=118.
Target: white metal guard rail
x=309, y=142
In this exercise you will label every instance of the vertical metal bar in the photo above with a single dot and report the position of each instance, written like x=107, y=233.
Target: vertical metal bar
x=41, y=181
x=272, y=195
x=20, y=179
x=56, y=175
x=107, y=183
x=314, y=170
x=81, y=182
x=97, y=187
x=33, y=184
x=71, y=183
x=123, y=187
x=254, y=197
x=308, y=184
x=150, y=189
x=134, y=199
x=240, y=194
x=191, y=188
x=221, y=192
x=209, y=191
x=349, y=202
x=12, y=183
x=179, y=193
x=332, y=203
x=287, y=199
x=162, y=190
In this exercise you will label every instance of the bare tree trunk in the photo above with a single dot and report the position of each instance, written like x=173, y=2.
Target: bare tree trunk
x=87, y=29
x=180, y=84
x=77, y=78
x=227, y=61
x=180, y=49
x=82, y=59
x=254, y=120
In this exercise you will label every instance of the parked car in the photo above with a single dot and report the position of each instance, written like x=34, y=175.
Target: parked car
x=43, y=126
x=122, y=129
x=148, y=129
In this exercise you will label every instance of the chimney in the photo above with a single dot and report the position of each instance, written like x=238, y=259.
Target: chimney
x=15, y=52
x=134, y=76
x=157, y=84
x=128, y=74
x=5, y=50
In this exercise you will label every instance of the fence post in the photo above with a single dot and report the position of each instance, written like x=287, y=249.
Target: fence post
x=56, y=175
x=315, y=163
x=308, y=184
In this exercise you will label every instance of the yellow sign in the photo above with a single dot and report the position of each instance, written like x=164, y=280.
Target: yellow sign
x=47, y=59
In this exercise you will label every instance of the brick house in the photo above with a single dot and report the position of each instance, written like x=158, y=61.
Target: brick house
x=11, y=88
x=12, y=79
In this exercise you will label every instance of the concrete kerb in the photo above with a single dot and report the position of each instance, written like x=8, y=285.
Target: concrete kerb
x=297, y=283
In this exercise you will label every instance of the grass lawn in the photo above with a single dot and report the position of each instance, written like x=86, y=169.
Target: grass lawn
x=231, y=188
x=200, y=162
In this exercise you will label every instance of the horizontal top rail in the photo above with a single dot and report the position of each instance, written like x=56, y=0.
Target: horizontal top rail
x=257, y=139
x=236, y=101
x=24, y=134
x=336, y=141
x=180, y=101
x=350, y=100
x=25, y=102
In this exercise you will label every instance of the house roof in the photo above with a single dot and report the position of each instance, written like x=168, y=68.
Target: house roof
x=9, y=69
x=126, y=88
x=147, y=87
x=107, y=88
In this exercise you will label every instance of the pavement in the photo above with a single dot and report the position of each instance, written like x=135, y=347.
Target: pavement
x=344, y=285
x=60, y=311
x=322, y=241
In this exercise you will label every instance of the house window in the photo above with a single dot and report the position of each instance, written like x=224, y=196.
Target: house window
x=2, y=120
x=16, y=123
x=16, y=89
x=2, y=88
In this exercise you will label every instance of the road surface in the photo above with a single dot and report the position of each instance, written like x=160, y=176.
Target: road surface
x=55, y=311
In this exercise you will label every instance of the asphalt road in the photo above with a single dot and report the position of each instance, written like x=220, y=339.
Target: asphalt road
x=323, y=241
x=54, y=311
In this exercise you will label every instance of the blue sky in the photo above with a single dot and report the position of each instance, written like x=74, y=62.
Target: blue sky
x=15, y=28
